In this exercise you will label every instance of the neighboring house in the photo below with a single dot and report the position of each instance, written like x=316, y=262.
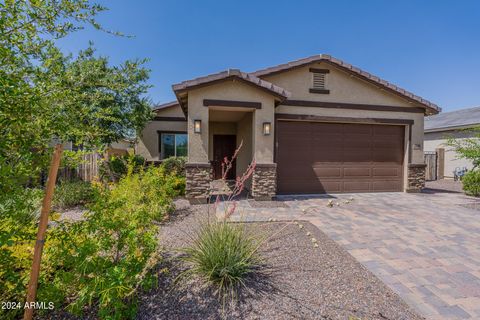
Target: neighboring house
x=314, y=125
x=439, y=128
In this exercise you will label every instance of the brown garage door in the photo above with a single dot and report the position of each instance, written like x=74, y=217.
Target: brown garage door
x=314, y=157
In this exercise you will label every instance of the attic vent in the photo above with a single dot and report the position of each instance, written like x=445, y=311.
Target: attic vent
x=319, y=77
x=318, y=80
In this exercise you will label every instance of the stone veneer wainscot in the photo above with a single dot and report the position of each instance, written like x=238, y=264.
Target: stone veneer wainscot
x=198, y=177
x=416, y=177
x=264, y=181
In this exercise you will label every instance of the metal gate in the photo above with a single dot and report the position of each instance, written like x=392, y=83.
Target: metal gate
x=431, y=162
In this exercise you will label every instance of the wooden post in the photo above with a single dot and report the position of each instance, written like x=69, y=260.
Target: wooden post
x=440, y=163
x=42, y=228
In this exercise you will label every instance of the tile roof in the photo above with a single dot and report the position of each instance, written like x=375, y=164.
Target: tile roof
x=231, y=73
x=348, y=67
x=453, y=119
x=165, y=105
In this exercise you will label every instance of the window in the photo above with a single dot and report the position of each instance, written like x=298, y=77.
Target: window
x=319, y=80
x=173, y=145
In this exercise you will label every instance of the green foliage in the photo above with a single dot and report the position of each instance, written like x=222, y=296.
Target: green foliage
x=223, y=255
x=116, y=167
x=102, y=260
x=69, y=194
x=108, y=256
x=175, y=164
x=18, y=213
x=467, y=148
x=471, y=183
x=176, y=167
x=46, y=95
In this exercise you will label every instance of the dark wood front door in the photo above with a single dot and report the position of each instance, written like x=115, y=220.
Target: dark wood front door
x=223, y=146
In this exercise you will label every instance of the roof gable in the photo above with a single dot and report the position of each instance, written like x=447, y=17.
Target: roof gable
x=182, y=88
x=431, y=107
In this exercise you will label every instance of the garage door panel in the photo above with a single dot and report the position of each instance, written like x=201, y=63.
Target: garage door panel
x=356, y=186
x=387, y=155
x=318, y=157
x=357, y=172
x=327, y=172
x=387, y=186
x=387, y=172
x=354, y=154
x=331, y=156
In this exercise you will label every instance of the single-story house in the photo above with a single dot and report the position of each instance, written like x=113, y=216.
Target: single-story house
x=454, y=124
x=314, y=125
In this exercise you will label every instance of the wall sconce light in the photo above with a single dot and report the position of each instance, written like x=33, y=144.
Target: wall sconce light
x=267, y=128
x=197, y=126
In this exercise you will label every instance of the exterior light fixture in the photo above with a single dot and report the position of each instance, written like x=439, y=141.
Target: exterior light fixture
x=197, y=126
x=267, y=128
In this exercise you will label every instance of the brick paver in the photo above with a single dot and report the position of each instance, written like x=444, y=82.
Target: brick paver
x=426, y=247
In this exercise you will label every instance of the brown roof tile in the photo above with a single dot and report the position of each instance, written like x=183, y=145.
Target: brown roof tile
x=231, y=73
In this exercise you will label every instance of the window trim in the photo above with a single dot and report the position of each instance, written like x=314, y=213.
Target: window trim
x=160, y=132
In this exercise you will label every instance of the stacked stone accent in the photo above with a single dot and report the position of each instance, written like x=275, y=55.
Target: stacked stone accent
x=264, y=181
x=198, y=178
x=416, y=177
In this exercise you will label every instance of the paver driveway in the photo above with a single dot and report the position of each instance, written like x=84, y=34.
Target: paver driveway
x=426, y=247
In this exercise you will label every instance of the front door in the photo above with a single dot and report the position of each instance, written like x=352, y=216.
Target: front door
x=223, y=146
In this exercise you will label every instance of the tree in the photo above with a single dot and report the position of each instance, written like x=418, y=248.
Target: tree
x=45, y=94
x=467, y=148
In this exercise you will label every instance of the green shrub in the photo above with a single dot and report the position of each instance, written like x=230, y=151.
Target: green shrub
x=105, y=259
x=223, y=255
x=175, y=164
x=100, y=261
x=471, y=183
x=69, y=194
x=18, y=213
x=116, y=167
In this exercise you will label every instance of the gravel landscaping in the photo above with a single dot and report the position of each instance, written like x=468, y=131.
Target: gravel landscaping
x=301, y=281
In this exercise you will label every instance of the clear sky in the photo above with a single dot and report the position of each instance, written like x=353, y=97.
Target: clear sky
x=431, y=48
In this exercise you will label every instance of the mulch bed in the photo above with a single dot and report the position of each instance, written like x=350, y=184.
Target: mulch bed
x=303, y=282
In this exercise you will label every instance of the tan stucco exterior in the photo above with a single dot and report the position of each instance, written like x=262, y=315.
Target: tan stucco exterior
x=343, y=87
x=434, y=140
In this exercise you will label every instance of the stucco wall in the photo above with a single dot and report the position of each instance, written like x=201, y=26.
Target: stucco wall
x=343, y=87
x=435, y=140
x=244, y=133
x=148, y=142
x=198, y=144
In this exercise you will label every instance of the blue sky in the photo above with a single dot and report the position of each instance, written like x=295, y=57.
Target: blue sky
x=431, y=48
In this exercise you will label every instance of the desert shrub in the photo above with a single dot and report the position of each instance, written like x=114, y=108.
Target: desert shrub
x=116, y=167
x=18, y=212
x=223, y=255
x=70, y=194
x=105, y=259
x=175, y=164
x=471, y=183
x=101, y=261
